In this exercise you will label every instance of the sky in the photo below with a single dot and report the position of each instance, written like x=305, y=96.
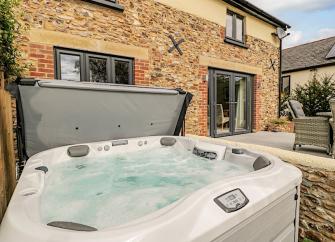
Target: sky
x=310, y=20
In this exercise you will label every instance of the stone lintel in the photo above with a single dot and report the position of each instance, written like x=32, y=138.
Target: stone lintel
x=65, y=40
x=229, y=65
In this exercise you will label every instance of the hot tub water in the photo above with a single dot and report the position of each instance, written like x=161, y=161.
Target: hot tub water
x=116, y=189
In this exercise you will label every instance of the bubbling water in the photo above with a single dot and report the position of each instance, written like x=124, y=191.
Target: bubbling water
x=116, y=189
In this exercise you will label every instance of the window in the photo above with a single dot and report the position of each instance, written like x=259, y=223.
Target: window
x=84, y=66
x=331, y=53
x=235, y=28
x=107, y=3
x=286, y=85
x=70, y=67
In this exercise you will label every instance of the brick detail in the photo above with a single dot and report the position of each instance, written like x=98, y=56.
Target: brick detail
x=256, y=114
x=222, y=33
x=203, y=101
x=141, y=69
x=41, y=58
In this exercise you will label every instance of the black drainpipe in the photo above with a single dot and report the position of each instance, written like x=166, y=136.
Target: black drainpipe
x=280, y=73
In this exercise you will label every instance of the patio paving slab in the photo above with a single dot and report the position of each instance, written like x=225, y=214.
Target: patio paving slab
x=280, y=140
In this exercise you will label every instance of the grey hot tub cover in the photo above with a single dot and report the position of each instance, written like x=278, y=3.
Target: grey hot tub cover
x=54, y=113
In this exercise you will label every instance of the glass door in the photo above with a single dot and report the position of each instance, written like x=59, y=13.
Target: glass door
x=229, y=103
x=240, y=104
x=222, y=104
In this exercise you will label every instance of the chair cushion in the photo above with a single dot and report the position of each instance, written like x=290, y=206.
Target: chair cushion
x=297, y=109
x=332, y=105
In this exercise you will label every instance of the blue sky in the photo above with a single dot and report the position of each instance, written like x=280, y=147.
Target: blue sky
x=310, y=19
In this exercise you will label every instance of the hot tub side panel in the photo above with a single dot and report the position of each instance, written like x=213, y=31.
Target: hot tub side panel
x=276, y=222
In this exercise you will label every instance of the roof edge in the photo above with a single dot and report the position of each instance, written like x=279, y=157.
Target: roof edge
x=307, y=43
x=308, y=67
x=258, y=13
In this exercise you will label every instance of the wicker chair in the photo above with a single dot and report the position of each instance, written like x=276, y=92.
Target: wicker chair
x=332, y=123
x=309, y=130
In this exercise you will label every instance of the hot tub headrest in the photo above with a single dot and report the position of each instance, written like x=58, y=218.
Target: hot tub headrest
x=260, y=163
x=168, y=141
x=72, y=226
x=78, y=150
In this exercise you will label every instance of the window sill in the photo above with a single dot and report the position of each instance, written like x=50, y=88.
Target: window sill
x=108, y=4
x=234, y=42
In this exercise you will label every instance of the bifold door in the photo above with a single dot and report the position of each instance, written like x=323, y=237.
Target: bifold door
x=229, y=103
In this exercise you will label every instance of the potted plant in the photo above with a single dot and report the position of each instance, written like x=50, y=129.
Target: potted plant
x=278, y=125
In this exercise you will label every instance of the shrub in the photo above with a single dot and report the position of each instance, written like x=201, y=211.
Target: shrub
x=9, y=33
x=315, y=94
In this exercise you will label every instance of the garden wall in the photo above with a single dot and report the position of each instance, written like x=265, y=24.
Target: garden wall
x=317, y=211
x=7, y=155
x=317, y=208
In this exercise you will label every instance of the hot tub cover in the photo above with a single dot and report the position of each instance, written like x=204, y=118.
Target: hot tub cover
x=53, y=113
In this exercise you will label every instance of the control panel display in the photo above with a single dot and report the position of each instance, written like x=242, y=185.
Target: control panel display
x=232, y=201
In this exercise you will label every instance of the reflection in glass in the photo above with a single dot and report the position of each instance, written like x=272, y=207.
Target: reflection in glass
x=122, y=70
x=70, y=67
x=286, y=85
x=209, y=117
x=222, y=104
x=241, y=102
x=239, y=29
x=98, y=69
x=229, y=27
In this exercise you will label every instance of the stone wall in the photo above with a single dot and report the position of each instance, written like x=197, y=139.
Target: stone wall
x=147, y=24
x=317, y=211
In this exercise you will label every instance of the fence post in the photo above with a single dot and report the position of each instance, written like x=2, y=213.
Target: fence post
x=7, y=154
x=3, y=199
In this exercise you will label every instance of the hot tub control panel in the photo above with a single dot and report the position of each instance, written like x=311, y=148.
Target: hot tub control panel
x=232, y=201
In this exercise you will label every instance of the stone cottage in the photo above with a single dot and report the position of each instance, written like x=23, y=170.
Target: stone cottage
x=225, y=52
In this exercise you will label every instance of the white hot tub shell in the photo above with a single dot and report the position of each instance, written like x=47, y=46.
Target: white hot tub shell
x=55, y=116
x=267, y=207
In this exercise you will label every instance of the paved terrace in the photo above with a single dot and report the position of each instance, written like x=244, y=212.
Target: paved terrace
x=278, y=140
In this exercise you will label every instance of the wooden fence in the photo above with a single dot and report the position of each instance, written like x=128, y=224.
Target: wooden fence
x=7, y=155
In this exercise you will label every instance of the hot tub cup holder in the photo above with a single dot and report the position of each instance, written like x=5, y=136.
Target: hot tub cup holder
x=237, y=151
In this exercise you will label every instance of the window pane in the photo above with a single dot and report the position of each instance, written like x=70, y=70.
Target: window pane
x=98, y=69
x=222, y=106
x=241, y=103
x=70, y=67
x=239, y=29
x=286, y=85
x=229, y=27
x=122, y=69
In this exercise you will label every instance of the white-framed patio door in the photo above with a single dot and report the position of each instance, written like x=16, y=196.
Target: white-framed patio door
x=229, y=103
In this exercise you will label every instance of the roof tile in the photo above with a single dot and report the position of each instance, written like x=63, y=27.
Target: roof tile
x=308, y=55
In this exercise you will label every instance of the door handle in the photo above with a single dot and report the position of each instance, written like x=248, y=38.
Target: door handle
x=232, y=102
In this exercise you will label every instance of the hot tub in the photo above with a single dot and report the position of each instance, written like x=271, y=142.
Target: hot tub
x=153, y=189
